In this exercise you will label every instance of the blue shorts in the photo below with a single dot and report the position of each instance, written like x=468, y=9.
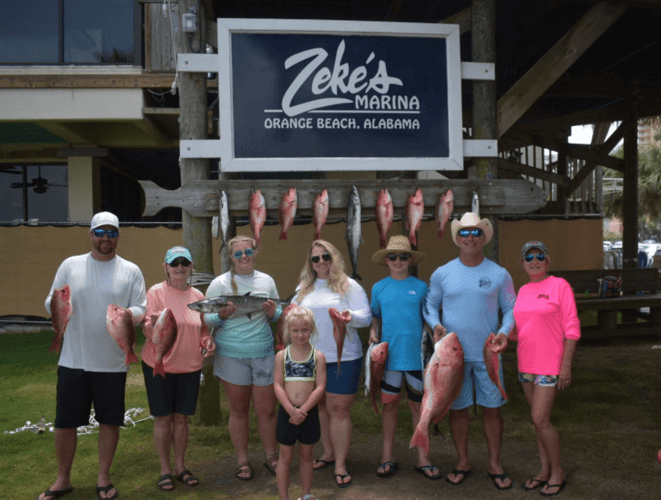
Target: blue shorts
x=486, y=392
x=244, y=371
x=541, y=380
x=344, y=381
x=391, y=384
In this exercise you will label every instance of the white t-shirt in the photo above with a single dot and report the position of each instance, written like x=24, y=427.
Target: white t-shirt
x=96, y=284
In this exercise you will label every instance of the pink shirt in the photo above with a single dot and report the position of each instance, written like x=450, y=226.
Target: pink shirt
x=545, y=314
x=185, y=355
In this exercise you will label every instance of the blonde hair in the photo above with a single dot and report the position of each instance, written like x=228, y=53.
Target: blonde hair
x=297, y=313
x=338, y=281
x=230, y=244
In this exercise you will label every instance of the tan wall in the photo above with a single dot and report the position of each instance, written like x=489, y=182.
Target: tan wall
x=31, y=255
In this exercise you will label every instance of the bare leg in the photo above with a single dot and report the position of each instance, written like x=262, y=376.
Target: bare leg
x=108, y=439
x=163, y=443
x=545, y=471
x=238, y=397
x=339, y=409
x=305, y=459
x=263, y=398
x=284, y=467
x=459, y=427
x=180, y=439
x=324, y=422
x=65, y=450
x=493, y=431
x=389, y=426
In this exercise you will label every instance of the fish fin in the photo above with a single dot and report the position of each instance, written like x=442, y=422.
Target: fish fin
x=420, y=440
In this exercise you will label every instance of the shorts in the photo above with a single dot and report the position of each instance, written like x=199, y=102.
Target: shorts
x=245, y=371
x=486, y=392
x=309, y=432
x=176, y=393
x=391, y=384
x=345, y=380
x=78, y=390
x=541, y=380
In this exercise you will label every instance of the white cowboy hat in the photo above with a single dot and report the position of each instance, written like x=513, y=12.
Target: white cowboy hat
x=470, y=220
x=397, y=244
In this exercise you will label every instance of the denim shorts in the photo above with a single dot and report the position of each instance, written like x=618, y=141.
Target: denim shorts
x=542, y=380
x=345, y=380
x=244, y=371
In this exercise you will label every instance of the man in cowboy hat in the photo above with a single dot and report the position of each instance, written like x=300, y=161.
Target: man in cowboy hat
x=397, y=319
x=472, y=289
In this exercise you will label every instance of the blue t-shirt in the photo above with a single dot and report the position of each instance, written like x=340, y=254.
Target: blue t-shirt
x=471, y=298
x=399, y=305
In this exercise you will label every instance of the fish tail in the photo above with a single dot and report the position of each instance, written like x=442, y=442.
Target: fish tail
x=159, y=369
x=283, y=235
x=412, y=238
x=131, y=358
x=317, y=235
x=55, y=346
x=421, y=440
x=382, y=241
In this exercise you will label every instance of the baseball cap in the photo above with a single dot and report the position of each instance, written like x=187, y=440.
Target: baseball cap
x=533, y=244
x=175, y=253
x=104, y=219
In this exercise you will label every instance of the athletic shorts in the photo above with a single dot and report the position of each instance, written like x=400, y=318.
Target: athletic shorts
x=78, y=390
x=345, y=380
x=391, y=385
x=486, y=392
x=542, y=380
x=309, y=432
x=244, y=371
x=176, y=393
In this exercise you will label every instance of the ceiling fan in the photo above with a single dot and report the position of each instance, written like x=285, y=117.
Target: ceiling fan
x=39, y=184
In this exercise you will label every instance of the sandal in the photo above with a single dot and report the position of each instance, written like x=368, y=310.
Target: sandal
x=165, y=480
x=458, y=472
x=106, y=489
x=392, y=468
x=502, y=477
x=187, y=480
x=56, y=494
x=240, y=469
x=268, y=465
x=533, y=486
x=431, y=468
x=342, y=484
x=325, y=463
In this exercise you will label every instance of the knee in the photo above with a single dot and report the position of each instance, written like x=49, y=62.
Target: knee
x=180, y=419
x=163, y=422
x=541, y=420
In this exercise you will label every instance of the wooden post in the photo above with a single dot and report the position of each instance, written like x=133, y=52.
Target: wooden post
x=483, y=36
x=630, y=188
x=196, y=230
x=563, y=194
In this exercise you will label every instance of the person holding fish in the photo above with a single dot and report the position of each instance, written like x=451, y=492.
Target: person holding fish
x=244, y=351
x=300, y=381
x=548, y=330
x=92, y=366
x=172, y=360
x=397, y=319
x=472, y=290
x=324, y=287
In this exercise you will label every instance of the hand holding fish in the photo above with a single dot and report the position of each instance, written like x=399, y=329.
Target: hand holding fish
x=269, y=308
x=439, y=332
x=227, y=311
x=498, y=344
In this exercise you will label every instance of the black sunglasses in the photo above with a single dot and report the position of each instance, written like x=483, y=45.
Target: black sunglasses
x=183, y=262
x=100, y=233
x=465, y=233
x=402, y=256
x=540, y=257
x=315, y=258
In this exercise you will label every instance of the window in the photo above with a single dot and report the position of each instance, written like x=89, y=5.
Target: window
x=70, y=32
x=34, y=192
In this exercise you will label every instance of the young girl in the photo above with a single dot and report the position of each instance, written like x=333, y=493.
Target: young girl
x=299, y=383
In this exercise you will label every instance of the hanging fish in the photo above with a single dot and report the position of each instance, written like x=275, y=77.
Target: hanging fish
x=384, y=215
x=354, y=237
x=444, y=210
x=475, y=203
x=223, y=218
x=287, y=211
x=257, y=214
x=319, y=213
x=415, y=209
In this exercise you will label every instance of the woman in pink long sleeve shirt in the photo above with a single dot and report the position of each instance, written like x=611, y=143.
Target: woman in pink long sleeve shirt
x=548, y=329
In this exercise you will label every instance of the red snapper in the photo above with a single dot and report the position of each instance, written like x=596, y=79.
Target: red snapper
x=340, y=321
x=121, y=328
x=378, y=355
x=257, y=214
x=384, y=215
x=287, y=211
x=164, y=337
x=61, y=310
x=415, y=209
x=492, y=361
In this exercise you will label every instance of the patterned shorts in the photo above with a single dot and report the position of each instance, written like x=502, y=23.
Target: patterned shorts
x=543, y=380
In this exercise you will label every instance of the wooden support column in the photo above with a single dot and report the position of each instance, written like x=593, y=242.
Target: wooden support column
x=630, y=186
x=196, y=230
x=483, y=36
x=563, y=194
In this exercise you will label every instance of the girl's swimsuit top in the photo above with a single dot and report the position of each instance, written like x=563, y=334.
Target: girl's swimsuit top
x=304, y=371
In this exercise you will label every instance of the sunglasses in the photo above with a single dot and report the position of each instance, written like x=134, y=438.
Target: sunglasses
x=315, y=258
x=540, y=257
x=176, y=263
x=465, y=233
x=100, y=233
x=402, y=256
x=239, y=253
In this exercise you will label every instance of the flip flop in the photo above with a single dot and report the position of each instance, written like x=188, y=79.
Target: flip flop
x=560, y=486
x=457, y=472
x=240, y=470
x=56, y=494
x=342, y=484
x=322, y=461
x=423, y=470
x=106, y=489
x=540, y=482
x=165, y=480
x=392, y=468
x=268, y=465
x=502, y=477
x=189, y=479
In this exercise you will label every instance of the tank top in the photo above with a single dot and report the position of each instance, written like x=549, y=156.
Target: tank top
x=304, y=371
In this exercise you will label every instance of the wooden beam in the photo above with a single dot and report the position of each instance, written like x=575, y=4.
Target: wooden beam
x=555, y=62
x=156, y=132
x=538, y=173
x=212, y=33
x=94, y=152
x=144, y=80
x=630, y=186
x=463, y=18
x=200, y=198
x=41, y=155
x=61, y=129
